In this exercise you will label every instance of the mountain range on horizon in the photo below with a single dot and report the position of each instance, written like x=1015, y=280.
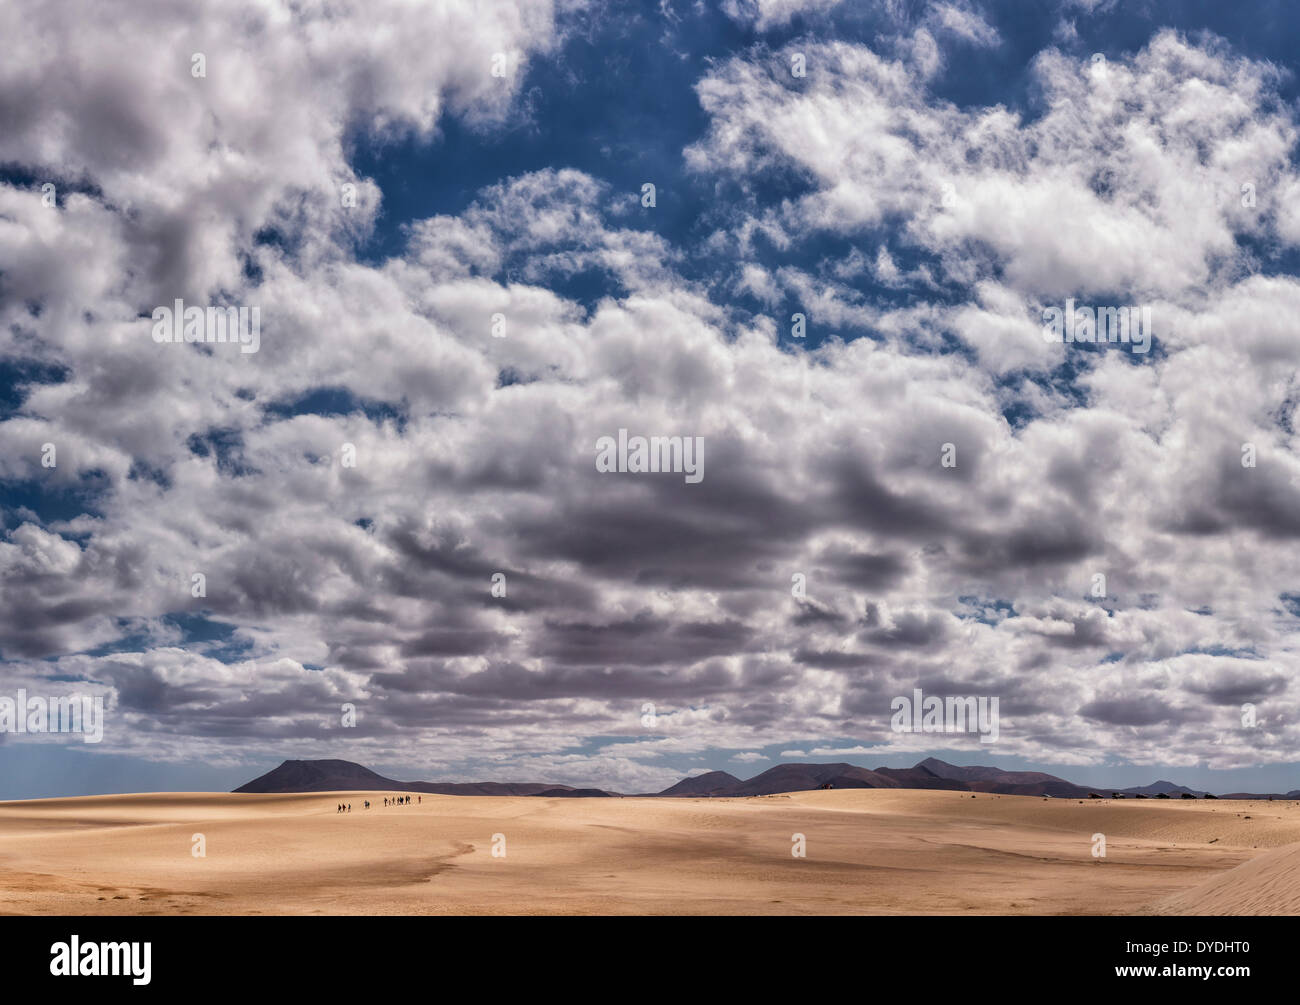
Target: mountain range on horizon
x=931, y=773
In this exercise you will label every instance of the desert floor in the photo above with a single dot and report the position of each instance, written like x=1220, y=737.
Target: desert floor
x=868, y=851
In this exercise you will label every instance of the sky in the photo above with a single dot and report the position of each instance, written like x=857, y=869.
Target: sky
x=819, y=240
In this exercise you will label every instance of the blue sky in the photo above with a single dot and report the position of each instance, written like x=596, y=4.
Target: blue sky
x=941, y=174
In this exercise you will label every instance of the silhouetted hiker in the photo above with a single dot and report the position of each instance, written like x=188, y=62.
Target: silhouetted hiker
x=419, y=799
x=349, y=807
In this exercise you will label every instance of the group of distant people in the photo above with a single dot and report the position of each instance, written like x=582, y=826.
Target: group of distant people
x=388, y=801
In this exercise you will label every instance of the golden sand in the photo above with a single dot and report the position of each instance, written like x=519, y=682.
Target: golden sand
x=868, y=851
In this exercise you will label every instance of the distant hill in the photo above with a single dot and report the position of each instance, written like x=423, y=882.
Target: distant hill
x=931, y=773
x=702, y=785
x=1293, y=794
x=340, y=776
x=797, y=777
x=1156, y=788
x=983, y=778
x=919, y=777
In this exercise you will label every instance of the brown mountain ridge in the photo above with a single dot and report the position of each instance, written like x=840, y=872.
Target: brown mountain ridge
x=931, y=773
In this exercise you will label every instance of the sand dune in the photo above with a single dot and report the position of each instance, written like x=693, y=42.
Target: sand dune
x=873, y=851
x=1269, y=884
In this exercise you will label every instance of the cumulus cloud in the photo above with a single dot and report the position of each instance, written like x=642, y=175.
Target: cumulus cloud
x=766, y=14
x=416, y=426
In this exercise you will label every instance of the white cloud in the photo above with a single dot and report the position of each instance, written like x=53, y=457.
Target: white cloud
x=474, y=454
x=767, y=14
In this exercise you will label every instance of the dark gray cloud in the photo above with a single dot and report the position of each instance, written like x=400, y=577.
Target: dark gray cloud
x=440, y=550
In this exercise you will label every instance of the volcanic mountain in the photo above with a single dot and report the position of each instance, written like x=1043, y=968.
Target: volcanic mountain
x=708, y=784
x=1162, y=788
x=982, y=778
x=931, y=773
x=796, y=777
x=344, y=776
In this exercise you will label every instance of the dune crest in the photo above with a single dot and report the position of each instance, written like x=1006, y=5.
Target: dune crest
x=1269, y=884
